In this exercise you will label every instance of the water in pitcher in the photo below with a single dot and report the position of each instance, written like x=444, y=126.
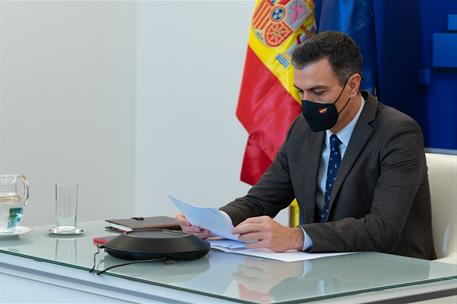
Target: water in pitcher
x=11, y=211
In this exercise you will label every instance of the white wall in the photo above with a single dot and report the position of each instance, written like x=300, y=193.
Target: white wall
x=190, y=58
x=3, y=28
x=68, y=95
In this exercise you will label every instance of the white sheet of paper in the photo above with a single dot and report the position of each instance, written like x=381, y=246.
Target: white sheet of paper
x=227, y=244
x=288, y=256
x=208, y=218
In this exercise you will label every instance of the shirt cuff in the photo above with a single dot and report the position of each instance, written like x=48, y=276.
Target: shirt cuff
x=307, y=242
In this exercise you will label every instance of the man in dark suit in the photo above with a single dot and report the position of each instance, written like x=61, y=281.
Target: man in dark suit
x=356, y=167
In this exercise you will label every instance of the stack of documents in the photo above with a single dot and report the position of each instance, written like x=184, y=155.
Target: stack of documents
x=213, y=220
x=238, y=247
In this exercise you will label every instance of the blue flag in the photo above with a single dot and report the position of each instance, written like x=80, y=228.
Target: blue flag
x=355, y=18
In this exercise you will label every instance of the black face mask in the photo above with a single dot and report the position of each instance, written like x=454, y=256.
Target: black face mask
x=321, y=116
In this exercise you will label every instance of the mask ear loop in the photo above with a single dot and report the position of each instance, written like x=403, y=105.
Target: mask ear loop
x=347, y=102
x=341, y=91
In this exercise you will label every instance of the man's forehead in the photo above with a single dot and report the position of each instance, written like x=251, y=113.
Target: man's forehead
x=314, y=81
x=313, y=87
x=315, y=74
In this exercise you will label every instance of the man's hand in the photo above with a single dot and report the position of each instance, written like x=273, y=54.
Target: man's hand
x=188, y=228
x=264, y=232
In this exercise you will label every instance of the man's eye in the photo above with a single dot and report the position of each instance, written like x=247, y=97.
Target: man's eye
x=318, y=93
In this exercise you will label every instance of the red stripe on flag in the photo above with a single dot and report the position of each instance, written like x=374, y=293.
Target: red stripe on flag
x=258, y=12
x=266, y=110
x=264, y=21
x=263, y=15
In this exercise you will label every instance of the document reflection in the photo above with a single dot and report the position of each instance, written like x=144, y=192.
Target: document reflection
x=268, y=280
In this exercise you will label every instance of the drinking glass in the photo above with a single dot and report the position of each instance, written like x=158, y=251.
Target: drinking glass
x=66, y=207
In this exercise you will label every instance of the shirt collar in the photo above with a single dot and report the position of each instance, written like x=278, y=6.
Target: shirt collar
x=344, y=135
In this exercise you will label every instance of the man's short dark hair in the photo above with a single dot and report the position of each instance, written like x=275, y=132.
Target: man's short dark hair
x=341, y=51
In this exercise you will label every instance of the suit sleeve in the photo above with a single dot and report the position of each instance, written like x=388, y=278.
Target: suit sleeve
x=270, y=194
x=402, y=169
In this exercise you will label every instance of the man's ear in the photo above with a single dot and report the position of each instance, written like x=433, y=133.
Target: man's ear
x=354, y=83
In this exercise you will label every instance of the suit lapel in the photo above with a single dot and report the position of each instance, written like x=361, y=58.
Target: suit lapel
x=359, y=137
x=311, y=167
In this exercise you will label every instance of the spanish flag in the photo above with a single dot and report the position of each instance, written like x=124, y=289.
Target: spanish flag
x=268, y=101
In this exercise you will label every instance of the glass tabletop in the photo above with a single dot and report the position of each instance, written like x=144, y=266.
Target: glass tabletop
x=238, y=277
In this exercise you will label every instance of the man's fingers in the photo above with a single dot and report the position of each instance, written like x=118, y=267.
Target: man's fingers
x=255, y=220
x=203, y=234
x=255, y=245
x=194, y=229
x=252, y=224
x=187, y=227
x=181, y=219
x=198, y=230
x=204, y=231
x=251, y=236
x=247, y=227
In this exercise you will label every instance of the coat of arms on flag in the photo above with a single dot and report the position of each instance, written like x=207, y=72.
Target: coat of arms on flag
x=274, y=23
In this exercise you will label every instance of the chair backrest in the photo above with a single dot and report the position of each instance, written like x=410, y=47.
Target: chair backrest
x=442, y=175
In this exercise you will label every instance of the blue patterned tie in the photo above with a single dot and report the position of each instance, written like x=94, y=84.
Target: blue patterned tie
x=334, y=162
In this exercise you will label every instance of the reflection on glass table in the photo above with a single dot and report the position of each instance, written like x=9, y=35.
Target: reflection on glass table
x=238, y=277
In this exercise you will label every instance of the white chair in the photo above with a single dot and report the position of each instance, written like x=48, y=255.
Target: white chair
x=442, y=175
